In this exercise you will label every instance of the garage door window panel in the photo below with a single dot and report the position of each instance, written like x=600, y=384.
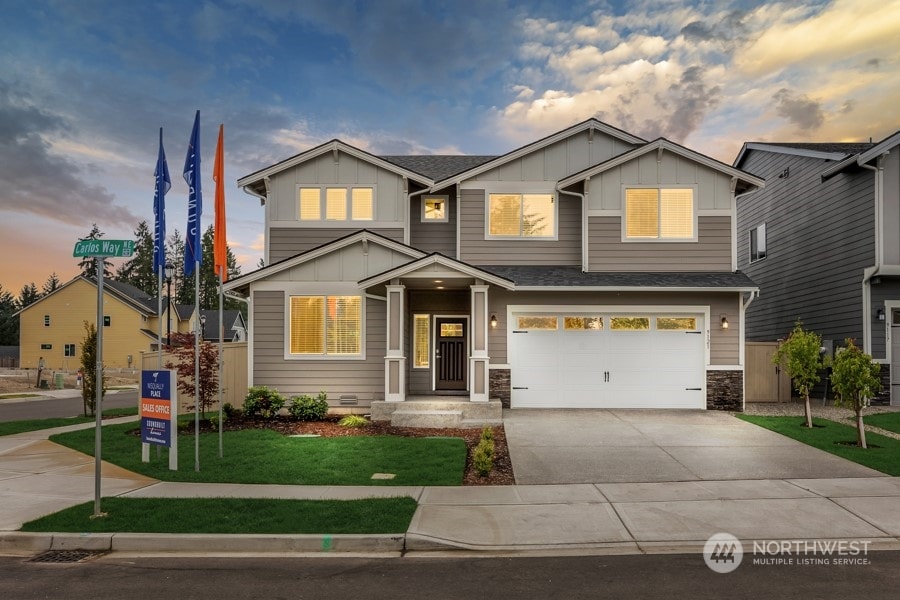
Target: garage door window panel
x=583, y=323
x=630, y=323
x=676, y=323
x=537, y=323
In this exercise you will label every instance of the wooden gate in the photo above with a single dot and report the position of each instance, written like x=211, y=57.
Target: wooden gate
x=764, y=381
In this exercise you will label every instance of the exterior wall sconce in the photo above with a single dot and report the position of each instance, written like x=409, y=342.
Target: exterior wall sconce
x=493, y=321
x=724, y=322
x=879, y=314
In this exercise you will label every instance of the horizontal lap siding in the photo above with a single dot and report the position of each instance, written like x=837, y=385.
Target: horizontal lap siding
x=285, y=242
x=607, y=251
x=476, y=250
x=819, y=239
x=364, y=378
x=433, y=237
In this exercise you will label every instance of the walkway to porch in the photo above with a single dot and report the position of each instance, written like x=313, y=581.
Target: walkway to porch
x=438, y=411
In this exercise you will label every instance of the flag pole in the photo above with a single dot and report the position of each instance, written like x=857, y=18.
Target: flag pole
x=220, y=258
x=221, y=354
x=159, y=345
x=197, y=366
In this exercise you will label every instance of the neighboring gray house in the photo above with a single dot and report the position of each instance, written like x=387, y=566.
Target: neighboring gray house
x=590, y=268
x=822, y=241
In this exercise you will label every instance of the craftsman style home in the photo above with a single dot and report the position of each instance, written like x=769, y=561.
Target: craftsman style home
x=822, y=241
x=590, y=268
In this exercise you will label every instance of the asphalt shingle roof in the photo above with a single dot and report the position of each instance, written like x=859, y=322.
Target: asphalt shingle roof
x=138, y=295
x=574, y=277
x=438, y=166
x=849, y=148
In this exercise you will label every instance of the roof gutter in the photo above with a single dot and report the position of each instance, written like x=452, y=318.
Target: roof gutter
x=584, y=221
x=409, y=196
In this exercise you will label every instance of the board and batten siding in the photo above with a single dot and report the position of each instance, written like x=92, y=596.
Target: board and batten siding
x=724, y=343
x=429, y=236
x=607, y=251
x=289, y=242
x=476, y=250
x=362, y=378
x=819, y=238
x=559, y=160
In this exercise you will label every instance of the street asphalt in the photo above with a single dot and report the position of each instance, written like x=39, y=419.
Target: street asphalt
x=672, y=498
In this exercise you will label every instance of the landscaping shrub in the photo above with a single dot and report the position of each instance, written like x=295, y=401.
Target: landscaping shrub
x=229, y=411
x=483, y=458
x=263, y=402
x=307, y=408
x=354, y=421
x=487, y=433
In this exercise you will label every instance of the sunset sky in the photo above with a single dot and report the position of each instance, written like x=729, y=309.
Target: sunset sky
x=85, y=86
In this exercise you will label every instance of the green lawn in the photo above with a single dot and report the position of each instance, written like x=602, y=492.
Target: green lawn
x=38, y=424
x=828, y=435
x=263, y=456
x=233, y=515
x=889, y=421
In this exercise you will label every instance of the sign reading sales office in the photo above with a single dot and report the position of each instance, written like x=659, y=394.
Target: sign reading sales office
x=158, y=410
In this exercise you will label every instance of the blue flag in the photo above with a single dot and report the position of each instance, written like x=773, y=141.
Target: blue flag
x=192, y=250
x=163, y=183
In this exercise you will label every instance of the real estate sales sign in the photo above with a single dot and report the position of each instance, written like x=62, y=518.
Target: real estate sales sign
x=157, y=411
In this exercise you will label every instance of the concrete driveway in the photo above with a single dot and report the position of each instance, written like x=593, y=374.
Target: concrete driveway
x=636, y=446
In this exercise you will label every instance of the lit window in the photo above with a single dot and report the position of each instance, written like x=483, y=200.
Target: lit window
x=521, y=215
x=363, y=204
x=336, y=204
x=659, y=214
x=310, y=204
x=676, y=323
x=629, y=323
x=537, y=323
x=758, y=243
x=434, y=209
x=325, y=325
x=583, y=323
x=421, y=342
x=331, y=203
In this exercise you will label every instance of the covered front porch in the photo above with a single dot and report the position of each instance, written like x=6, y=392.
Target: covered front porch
x=437, y=357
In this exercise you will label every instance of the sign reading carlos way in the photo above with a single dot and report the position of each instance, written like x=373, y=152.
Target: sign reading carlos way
x=157, y=411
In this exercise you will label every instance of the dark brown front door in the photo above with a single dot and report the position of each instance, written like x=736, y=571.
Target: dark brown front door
x=450, y=354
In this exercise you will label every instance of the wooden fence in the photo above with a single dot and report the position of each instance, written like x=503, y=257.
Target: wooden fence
x=765, y=382
x=234, y=374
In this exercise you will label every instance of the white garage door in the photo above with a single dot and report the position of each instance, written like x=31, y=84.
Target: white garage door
x=607, y=360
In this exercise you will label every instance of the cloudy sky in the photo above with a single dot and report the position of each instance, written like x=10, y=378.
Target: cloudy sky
x=85, y=86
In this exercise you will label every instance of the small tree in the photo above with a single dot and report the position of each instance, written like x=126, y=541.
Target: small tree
x=89, y=369
x=856, y=379
x=801, y=356
x=183, y=349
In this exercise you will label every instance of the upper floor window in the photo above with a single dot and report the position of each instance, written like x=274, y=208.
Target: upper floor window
x=521, y=216
x=107, y=320
x=69, y=350
x=758, y=243
x=336, y=203
x=46, y=320
x=325, y=325
x=434, y=209
x=660, y=214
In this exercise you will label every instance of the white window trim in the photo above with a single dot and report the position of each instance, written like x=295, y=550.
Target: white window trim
x=337, y=291
x=514, y=190
x=323, y=204
x=696, y=215
x=415, y=347
x=750, y=242
x=446, y=200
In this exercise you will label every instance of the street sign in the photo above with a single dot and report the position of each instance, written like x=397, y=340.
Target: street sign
x=112, y=248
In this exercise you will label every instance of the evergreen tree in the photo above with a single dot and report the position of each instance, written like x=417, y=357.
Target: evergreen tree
x=51, y=285
x=184, y=291
x=9, y=325
x=29, y=295
x=138, y=271
x=88, y=263
x=209, y=283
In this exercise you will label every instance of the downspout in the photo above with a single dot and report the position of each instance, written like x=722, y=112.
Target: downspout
x=879, y=252
x=263, y=201
x=584, y=224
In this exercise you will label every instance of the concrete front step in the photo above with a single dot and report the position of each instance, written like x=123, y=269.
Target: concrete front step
x=426, y=418
x=438, y=412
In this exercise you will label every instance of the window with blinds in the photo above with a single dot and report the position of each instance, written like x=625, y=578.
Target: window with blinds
x=325, y=325
x=310, y=204
x=521, y=215
x=336, y=203
x=659, y=214
x=362, y=204
x=421, y=342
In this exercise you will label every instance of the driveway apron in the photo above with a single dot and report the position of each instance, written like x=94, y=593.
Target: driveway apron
x=637, y=446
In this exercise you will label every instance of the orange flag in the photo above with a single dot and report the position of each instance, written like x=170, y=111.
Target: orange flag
x=220, y=245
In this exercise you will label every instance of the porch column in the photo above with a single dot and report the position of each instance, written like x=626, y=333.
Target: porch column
x=479, y=389
x=394, y=358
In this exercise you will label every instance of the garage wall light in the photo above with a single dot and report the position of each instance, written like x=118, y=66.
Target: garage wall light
x=493, y=320
x=724, y=322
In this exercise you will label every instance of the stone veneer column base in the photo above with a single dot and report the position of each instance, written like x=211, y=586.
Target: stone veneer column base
x=725, y=390
x=500, y=386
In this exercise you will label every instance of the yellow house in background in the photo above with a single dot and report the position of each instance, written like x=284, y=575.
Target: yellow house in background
x=53, y=327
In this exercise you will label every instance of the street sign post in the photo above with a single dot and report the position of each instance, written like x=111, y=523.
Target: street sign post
x=104, y=248
x=100, y=249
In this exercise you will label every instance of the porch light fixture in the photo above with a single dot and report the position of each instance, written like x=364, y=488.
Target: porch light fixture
x=724, y=322
x=493, y=320
x=879, y=314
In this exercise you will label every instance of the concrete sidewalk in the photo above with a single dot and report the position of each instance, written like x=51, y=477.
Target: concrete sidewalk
x=38, y=477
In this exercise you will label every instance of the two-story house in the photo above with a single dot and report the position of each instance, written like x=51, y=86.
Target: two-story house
x=590, y=268
x=822, y=241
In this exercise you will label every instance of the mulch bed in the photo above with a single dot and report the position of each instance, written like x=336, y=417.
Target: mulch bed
x=501, y=474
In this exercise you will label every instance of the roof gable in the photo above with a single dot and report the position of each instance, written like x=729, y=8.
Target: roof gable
x=821, y=150
x=439, y=260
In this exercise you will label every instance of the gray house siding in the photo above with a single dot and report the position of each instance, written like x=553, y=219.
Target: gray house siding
x=607, y=251
x=724, y=343
x=363, y=378
x=433, y=237
x=819, y=237
x=285, y=242
x=476, y=250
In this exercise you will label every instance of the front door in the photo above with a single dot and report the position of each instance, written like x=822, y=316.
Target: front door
x=450, y=355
